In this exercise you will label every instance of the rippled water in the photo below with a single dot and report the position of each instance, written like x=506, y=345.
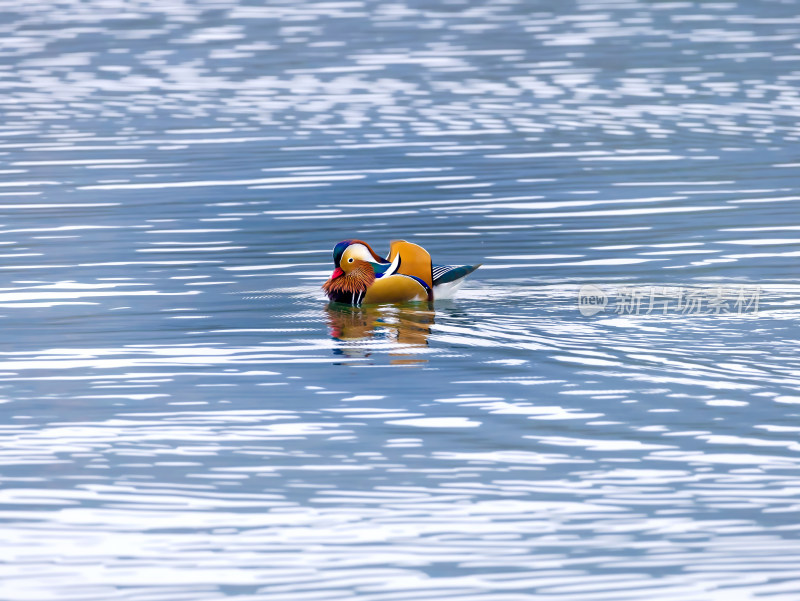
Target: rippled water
x=183, y=417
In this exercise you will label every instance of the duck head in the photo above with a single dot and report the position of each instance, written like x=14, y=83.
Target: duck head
x=355, y=264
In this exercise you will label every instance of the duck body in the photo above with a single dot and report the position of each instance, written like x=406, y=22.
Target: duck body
x=362, y=277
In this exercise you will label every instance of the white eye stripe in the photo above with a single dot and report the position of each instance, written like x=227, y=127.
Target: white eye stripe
x=359, y=251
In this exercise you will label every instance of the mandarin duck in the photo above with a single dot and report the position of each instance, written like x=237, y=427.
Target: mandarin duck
x=361, y=276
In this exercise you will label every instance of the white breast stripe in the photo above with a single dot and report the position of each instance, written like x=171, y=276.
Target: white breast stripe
x=393, y=267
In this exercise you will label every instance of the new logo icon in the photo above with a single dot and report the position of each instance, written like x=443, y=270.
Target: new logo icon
x=591, y=300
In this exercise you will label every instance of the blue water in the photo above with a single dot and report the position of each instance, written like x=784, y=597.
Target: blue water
x=182, y=416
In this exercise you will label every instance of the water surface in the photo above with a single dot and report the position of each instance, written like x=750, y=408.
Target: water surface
x=184, y=417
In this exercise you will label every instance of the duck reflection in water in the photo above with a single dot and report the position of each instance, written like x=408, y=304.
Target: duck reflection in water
x=361, y=330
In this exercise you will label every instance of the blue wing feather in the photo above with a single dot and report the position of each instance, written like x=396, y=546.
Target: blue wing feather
x=442, y=274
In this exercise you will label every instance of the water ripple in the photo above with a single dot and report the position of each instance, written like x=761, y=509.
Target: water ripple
x=183, y=416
